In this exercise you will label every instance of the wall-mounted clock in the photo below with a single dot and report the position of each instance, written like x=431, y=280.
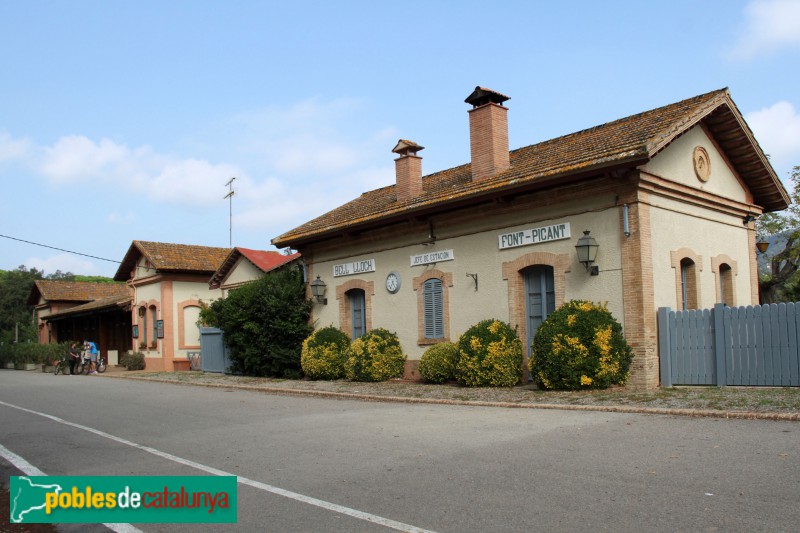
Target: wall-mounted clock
x=393, y=282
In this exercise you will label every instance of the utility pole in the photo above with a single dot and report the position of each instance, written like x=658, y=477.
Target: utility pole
x=229, y=197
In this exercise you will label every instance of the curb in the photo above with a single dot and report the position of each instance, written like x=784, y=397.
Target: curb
x=700, y=413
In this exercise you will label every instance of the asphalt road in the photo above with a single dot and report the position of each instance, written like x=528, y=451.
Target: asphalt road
x=435, y=467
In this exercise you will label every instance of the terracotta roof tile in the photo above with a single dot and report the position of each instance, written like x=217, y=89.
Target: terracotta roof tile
x=264, y=260
x=166, y=257
x=109, y=304
x=75, y=291
x=634, y=139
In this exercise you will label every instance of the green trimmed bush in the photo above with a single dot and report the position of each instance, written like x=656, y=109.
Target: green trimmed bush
x=324, y=353
x=31, y=352
x=265, y=323
x=438, y=363
x=580, y=346
x=375, y=356
x=133, y=361
x=489, y=354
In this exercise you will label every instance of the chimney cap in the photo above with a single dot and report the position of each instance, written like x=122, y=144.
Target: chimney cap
x=482, y=96
x=405, y=147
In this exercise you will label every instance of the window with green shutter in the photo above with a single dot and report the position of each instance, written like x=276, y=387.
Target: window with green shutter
x=434, y=309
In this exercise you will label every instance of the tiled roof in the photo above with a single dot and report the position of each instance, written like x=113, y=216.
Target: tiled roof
x=262, y=259
x=629, y=141
x=104, y=304
x=75, y=291
x=165, y=257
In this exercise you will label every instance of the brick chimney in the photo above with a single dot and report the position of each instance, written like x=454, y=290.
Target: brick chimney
x=488, y=133
x=408, y=168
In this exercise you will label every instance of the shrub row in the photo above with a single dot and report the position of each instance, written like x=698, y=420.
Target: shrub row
x=579, y=346
x=487, y=354
x=32, y=353
x=375, y=356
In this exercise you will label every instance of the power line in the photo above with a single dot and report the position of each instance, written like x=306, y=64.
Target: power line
x=60, y=249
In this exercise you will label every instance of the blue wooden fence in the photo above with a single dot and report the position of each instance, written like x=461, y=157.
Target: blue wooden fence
x=754, y=345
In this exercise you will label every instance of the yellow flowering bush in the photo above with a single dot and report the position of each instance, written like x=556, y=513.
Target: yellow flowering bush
x=375, y=356
x=489, y=355
x=438, y=363
x=324, y=353
x=580, y=346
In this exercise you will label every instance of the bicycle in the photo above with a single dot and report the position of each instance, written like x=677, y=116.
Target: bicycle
x=85, y=365
x=62, y=365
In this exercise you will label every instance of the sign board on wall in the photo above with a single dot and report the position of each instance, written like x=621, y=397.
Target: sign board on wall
x=556, y=232
x=432, y=257
x=356, y=267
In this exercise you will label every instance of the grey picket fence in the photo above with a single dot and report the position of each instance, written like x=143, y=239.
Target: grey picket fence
x=748, y=346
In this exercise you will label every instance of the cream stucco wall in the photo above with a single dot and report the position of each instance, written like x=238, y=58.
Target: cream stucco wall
x=474, y=241
x=677, y=226
x=242, y=272
x=143, y=269
x=676, y=163
x=189, y=294
x=177, y=304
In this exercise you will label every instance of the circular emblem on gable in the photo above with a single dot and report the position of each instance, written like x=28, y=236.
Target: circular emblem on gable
x=702, y=165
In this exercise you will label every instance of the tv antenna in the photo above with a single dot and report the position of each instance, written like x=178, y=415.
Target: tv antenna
x=229, y=197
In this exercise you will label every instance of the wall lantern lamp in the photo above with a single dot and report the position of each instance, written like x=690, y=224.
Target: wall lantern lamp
x=141, y=311
x=587, y=253
x=762, y=246
x=318, y=291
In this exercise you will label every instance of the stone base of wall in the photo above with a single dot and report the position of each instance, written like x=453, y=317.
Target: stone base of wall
x=411, y=371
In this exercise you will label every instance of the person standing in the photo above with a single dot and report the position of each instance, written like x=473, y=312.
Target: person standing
x=74, y=355
x=92, y=349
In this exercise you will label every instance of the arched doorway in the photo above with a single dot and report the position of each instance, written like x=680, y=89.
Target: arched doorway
x=540, y=298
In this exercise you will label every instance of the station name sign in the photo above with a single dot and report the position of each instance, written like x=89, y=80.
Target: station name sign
x=556, y=232
x=432, y=257
x=356, y=267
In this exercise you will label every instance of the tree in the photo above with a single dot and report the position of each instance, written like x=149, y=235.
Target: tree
x=16, y=319
x=265, y=323
x=779, y=280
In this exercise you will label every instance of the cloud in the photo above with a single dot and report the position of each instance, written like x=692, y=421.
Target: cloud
x=162, y=178
x=13, y=149
x=314, y=137
x=769, y=25
x=777, y=129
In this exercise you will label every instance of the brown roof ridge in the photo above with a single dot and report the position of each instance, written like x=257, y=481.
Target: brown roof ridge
x=172, y=257
x=73, y=291
x=630, y=140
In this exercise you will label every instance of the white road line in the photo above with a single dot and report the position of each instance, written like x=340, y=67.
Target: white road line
x=26, y=468
x=375, y=519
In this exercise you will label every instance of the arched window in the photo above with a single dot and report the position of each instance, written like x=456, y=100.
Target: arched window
x=357, y=301
x=726, y=284
x=688, y=284
x=540, y=297
x=143, y=325
x=154, y=324
x=433, y=305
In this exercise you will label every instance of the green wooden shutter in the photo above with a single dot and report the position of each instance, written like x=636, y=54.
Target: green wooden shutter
x=433, y=304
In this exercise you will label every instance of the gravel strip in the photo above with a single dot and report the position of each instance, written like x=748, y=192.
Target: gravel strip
x=768, y=403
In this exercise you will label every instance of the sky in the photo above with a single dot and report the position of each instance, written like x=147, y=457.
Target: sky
x=124, y=120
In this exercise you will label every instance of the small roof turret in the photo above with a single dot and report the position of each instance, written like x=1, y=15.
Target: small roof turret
x=405, y=147
x=482, y=96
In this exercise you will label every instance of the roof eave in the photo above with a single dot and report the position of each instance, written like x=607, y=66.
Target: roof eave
x=480, y=196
